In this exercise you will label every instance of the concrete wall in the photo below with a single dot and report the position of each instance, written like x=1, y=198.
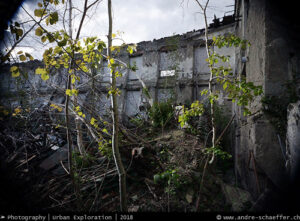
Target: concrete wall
x=185, y=54
x=272, y=60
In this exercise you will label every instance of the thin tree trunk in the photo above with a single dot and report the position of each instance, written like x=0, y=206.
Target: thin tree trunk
x=69, y=139
x=75, y=100
x=210, y=83
x=210, y=88
x=80, y=146
x=115, y=115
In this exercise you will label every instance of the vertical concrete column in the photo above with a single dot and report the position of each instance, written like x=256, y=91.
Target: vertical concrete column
x=157, y=76
x=123, y=96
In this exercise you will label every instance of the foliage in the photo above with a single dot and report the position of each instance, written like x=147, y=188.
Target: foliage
x=161, y=114
x=199, y=123
x=83, y=161
x=104, y=146
x=170, y=179
x=195, y=110
x=237, y=89
x=137, y=121
x=217, y=150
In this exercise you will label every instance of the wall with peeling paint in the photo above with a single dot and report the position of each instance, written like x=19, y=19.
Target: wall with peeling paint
x=185, y=54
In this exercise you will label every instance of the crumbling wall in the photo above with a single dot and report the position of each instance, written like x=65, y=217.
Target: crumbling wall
x=181, y=56
x=271, y=61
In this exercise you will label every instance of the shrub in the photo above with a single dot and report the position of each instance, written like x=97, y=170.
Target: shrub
x=161, y=114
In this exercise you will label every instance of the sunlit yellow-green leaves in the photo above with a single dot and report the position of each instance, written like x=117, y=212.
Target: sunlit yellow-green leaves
x=196, y=109
x=131, y=49
x=43, y=72
x=52, y=19
x=40, y=12
x=79, y=112
x=114, y=91
x=111, y=61
x=93, y=122
x=225, y=85
x=55, y=2
x=22, y=57
x=105, y=131
x=15, y=71
x=230, y=40
x=39, y=31
x=71, y=92
x=43, y=39
x=29, y=56
x=62, y=54
x=56, y=107
x=74, y=78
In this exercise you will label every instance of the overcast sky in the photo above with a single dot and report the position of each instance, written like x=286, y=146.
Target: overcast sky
x=141, y=20
x=148, y=19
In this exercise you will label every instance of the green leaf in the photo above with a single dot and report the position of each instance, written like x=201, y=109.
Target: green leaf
x=14, y=68
x=111, y=61
x=50, y=38
x=156, y=178
x=43, y=39
x=93, y=121
x=62, y=43
x=19, y=32
x=39, y=12
x=47, y=20
x=45, y=77
x=53, y=18
x=40, y=71
x=68, y=92
x=73, y=80
x=74, y=91
x=39, y=31
x=15, y=74
x=22, y=57
x=225, y=85
x=28, y=56
x=40, y=4
x=130, y=50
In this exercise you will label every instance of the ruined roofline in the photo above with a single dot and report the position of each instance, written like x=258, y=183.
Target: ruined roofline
x=217, y=25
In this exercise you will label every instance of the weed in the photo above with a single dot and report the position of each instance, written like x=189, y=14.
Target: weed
x=161, y=114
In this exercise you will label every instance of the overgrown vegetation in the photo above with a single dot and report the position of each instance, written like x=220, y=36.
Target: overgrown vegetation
x=167, y=167
x=161, y=114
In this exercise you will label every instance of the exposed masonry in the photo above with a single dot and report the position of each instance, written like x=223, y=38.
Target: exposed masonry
x=263, y=161
x=171, y=67
x=273, y=58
